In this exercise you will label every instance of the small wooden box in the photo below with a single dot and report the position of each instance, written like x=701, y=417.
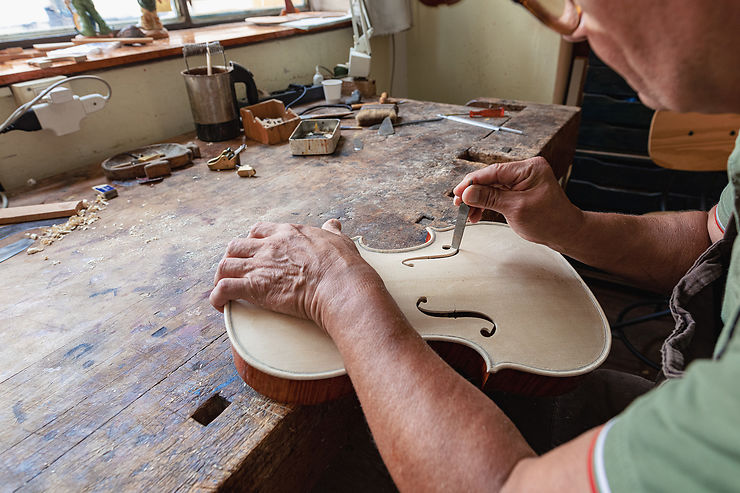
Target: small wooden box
x=303, y=143
x=272, y=108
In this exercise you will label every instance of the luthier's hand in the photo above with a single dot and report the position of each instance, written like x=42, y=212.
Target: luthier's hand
x=299, y=270
x=528, y=195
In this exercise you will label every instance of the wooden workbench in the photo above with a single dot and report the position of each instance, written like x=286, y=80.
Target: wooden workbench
x=109, y=345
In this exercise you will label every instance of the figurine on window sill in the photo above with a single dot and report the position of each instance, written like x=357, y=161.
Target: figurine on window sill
x=150, y=23
x=87, y=20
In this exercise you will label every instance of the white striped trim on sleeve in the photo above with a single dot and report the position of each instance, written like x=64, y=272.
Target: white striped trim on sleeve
x=599, y=467
x=717, y=220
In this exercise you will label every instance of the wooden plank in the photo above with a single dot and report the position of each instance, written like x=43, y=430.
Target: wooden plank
x=22, y=214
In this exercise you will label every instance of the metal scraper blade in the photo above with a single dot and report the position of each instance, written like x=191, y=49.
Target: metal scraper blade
x=14, y=248
x=386, y=127
x=462, y=218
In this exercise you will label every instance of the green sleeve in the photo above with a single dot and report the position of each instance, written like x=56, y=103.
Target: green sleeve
x=724, y=207
x=681, y=436
x=726, y=204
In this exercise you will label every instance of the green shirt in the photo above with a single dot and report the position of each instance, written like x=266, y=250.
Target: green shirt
x=685, y=434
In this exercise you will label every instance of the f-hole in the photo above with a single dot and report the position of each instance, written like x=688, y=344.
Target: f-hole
x=407, y=262
x=485, y=332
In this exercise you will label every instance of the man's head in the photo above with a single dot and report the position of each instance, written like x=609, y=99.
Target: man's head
x=680, y=55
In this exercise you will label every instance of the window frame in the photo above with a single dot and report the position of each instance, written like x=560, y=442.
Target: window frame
x=186, y=23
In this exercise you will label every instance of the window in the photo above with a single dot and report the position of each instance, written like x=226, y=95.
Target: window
x=46, y=19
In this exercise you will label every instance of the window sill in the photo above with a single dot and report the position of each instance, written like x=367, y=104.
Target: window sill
x=233, y=34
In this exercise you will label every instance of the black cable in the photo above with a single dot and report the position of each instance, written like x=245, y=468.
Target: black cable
x=618, y=332
x=305, y=89
x=308, y=110
x=330, y=72
x=28, y=122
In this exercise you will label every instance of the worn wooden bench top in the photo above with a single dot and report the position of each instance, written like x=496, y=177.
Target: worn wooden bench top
x=109, y=346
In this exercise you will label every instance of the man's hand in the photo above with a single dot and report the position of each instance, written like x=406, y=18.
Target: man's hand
x=528, y=195
x=293, y=269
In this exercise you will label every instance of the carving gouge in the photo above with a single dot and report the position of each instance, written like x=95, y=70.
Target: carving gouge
x=462, y=218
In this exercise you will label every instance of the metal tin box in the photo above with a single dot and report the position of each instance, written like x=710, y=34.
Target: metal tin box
x=318, y=136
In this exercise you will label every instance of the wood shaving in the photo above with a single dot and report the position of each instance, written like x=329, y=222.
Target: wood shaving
x=270, y=122
x=33, y=250
x=86, y=216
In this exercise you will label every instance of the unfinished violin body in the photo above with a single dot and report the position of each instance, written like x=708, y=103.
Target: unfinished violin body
x=514, y=304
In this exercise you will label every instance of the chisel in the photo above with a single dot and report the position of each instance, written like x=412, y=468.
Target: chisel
x=14, y=248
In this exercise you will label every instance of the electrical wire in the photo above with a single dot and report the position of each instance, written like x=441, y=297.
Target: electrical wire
x=393, y=61
x=305, y=88
x=26, y=106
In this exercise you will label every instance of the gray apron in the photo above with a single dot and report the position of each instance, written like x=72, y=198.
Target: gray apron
x=696, y=304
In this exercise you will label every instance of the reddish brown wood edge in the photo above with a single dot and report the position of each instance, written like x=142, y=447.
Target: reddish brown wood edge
x=463, y=359
x=292, y=391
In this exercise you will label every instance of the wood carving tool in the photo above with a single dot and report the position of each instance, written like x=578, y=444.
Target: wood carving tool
x=481, y=124
x=14, y=248
x=462, y=219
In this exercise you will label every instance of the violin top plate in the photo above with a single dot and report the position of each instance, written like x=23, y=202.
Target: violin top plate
x=546, y=319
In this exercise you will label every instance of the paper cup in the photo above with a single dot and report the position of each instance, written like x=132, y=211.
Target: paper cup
x=332, y=90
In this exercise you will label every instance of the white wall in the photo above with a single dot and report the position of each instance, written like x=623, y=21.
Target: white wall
x=484, y=48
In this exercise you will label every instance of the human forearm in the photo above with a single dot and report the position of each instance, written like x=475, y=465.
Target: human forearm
x=435, y=431
x=653, y=250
